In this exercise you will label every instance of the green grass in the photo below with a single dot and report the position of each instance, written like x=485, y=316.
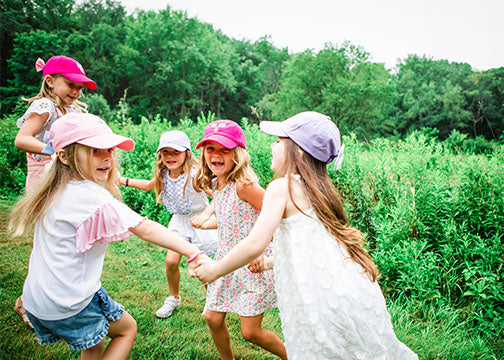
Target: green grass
x=134, y=275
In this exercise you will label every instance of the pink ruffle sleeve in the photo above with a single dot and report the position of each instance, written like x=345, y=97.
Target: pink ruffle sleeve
x=109, y=223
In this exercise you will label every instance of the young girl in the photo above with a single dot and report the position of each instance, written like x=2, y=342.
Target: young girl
x=173, y=184
x=237, y=198
x=62, y=82
x=75, y=218
x=330, y=304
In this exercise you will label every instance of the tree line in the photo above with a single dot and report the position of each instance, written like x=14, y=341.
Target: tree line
x=168, y=64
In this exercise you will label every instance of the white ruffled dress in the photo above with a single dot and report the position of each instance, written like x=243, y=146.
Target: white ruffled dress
x=328, y=308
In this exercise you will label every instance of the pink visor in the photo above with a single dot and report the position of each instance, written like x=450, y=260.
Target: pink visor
x=86, y=129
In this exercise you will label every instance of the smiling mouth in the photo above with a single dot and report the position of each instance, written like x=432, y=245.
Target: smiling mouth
x=103, y=169
x=217, y=163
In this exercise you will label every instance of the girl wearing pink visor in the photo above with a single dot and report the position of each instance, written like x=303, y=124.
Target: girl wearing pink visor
x=75, y=218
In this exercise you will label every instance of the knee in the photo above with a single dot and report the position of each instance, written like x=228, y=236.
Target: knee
x=172, y=264
x=131, y=330
x=250, y=334
x=212, y=321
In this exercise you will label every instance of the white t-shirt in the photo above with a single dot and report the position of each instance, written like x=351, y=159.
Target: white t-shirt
x=69, y=246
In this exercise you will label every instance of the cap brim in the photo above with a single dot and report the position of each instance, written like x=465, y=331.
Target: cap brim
x=90, y=84
x=274, y=128
x=107, y=141
x=172, y=146
x=219, y=139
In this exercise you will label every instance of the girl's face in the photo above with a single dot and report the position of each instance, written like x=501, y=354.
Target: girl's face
x=218, y=159
x=102, y=162
x=173, y=160
x=278, y=152
x=67, y=90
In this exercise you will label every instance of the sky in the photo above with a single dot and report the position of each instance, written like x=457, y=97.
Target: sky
x=469, y=31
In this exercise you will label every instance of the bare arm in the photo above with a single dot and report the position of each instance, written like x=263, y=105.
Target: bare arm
x=25, y=139
x=256, y=242
x=157, y=234
x=140, y=184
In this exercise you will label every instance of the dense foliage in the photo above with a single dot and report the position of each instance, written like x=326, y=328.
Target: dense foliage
x=167, y=63
x=431, y=212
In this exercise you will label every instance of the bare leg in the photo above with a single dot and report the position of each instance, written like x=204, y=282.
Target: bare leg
x=220, y=333
x=173, y=272
x=123, y=333
x=96, y=352
x=268, y=340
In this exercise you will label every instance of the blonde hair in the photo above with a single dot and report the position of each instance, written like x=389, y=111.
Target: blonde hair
x=46, y=92
x=189, y=162
x=326, y=202
x=35, y=204
x=241, y=172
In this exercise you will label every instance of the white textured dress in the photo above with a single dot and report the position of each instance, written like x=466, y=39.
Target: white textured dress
x=328, y=308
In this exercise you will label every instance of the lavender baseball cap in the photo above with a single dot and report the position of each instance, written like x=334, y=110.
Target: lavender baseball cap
x=314, y=132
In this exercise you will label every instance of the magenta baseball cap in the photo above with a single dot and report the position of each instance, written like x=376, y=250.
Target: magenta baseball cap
x=314, y=132
x=86, y=129
x=68, y=67
x=225, y=132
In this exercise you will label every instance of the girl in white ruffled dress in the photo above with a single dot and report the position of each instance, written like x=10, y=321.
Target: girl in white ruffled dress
x=331, y=306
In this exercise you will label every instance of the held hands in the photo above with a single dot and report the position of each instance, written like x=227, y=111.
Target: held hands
x=198, y=221
x=205, y=270
x=193, y=265
x=257, y=265
x=260, y=264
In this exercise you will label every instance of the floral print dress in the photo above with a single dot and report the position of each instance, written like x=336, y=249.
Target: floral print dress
x=242, y=292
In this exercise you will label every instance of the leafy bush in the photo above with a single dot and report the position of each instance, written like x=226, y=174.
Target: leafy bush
x=432, y=212
x=12, y=160
x=433, y=221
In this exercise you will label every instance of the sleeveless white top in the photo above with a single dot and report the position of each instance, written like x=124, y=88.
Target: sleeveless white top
x=328, y=308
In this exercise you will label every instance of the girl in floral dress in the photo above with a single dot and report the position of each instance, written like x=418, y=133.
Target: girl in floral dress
x=237, y=198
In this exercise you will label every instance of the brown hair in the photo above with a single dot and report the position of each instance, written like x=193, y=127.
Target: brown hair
x=189, y=162
x=34, y=205
x=326, y=202
x=241, y=172
x=46, y=92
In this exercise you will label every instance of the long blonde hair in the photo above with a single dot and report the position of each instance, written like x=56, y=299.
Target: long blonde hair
x=189, y=162
x=35, y=204
x=46, y=92
x=326, y=202
x=241, y=172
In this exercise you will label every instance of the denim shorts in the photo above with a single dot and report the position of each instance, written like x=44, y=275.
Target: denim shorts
x=83, y=330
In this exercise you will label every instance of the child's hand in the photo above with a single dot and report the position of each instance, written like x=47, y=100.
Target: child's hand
x=257, y=265
x=198, y=221
x=205, y=270
x=210, y=223
x=194, y=264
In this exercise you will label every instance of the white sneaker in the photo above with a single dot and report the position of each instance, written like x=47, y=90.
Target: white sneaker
x=170, y=304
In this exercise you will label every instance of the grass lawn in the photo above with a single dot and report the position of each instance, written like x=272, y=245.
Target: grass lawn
x=134, y=275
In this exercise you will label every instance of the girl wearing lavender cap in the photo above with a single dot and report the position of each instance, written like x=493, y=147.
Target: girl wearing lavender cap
x=330, y=303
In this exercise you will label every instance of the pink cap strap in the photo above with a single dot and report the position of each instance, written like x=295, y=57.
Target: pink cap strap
x=39, y=64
